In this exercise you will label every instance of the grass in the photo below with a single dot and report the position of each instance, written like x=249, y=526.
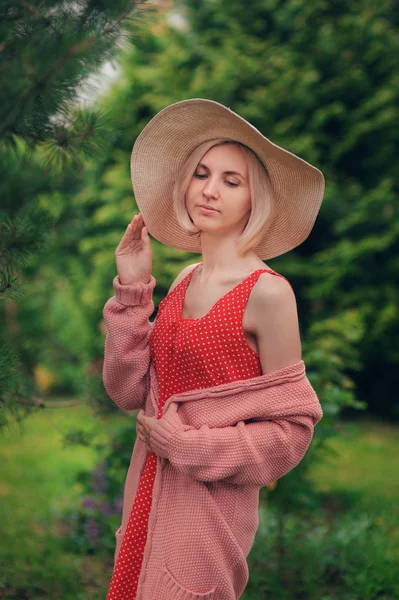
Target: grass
x=367, y=463
x=348, y=547
x=37, y=479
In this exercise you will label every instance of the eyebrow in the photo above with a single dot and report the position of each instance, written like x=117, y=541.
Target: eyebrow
x=224, y=172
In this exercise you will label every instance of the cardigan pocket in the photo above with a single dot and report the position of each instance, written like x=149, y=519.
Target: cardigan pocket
x=167, y=588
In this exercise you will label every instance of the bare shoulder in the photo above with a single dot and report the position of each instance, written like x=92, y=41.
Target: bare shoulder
x=273, y=320
x=272, y=286
x=183, y=273
x=272, y=293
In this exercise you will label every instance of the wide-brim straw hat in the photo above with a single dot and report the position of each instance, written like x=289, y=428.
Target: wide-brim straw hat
x=165, y=143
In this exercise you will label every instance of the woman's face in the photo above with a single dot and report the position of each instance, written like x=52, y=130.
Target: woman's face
x=220, y=181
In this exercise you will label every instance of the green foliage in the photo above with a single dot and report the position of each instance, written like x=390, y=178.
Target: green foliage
x=321, y=79
x=48, y=51
x=92, y=524
x=316, y=558
x=350, y=542
x=287, y=71
x=345, y=547
x=17, y=396
x=329, y=351
x=37, y=476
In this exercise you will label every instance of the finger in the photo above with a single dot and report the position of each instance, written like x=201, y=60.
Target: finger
x=125, y=238
x=137, y=225
x=135, y=220
x=141, y=416
x=132, y=231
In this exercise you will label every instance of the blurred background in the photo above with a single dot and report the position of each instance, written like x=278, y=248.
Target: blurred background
x=78, y=82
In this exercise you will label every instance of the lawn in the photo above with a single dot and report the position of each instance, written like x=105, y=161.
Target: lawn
x=37, y=479
x=365, y=469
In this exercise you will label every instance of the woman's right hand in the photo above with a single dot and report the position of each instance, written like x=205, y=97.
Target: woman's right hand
x=134, y=254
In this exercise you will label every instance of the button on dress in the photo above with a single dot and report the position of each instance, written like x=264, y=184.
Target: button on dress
x=187, y=354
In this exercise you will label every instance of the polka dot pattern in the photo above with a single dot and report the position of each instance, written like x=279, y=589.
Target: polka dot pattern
x=187, y=354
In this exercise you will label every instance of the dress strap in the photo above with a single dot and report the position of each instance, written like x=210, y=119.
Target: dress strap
x=237, y=299
x=273, y=273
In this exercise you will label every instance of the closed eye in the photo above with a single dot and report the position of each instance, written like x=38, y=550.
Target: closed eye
x=203, y=175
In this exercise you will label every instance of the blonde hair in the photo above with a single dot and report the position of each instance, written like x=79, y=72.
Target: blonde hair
x=261, y=190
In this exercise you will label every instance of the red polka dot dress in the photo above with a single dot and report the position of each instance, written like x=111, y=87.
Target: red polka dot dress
x=187, y=354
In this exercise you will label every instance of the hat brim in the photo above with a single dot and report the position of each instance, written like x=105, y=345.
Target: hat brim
x=164, y=145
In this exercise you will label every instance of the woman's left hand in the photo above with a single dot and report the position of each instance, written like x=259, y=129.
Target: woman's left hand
x=145, y=424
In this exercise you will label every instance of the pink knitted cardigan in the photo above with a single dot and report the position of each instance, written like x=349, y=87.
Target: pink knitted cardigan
x=214, y=454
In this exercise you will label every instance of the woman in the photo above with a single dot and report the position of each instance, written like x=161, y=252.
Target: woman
x=225, y=345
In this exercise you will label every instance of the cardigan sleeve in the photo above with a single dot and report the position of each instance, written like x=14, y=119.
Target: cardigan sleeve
x=127, y=351
x=254, y=453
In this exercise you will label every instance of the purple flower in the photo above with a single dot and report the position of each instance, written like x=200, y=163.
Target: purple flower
x=106, y=509
x=92, y=529
x=89, y=502
x=99, y=479
x=118, y=504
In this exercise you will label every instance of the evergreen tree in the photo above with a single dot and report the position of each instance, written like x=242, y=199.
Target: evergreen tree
x=320, y=81
x=48, y=50
x=289, y=69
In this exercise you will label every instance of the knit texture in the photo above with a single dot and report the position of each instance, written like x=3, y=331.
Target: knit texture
x=180, y=351
x=224, y=443
x=127, y=350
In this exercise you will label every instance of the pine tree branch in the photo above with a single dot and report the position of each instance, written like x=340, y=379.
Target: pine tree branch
x=39, y=16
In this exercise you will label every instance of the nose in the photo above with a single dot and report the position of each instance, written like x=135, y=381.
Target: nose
x=209, y=190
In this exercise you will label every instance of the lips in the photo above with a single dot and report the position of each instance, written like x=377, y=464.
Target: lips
x=208, y=207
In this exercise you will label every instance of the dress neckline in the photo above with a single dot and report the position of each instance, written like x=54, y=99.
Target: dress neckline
x=210, y=311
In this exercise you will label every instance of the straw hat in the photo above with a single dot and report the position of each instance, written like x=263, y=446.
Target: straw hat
x=169, y=138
